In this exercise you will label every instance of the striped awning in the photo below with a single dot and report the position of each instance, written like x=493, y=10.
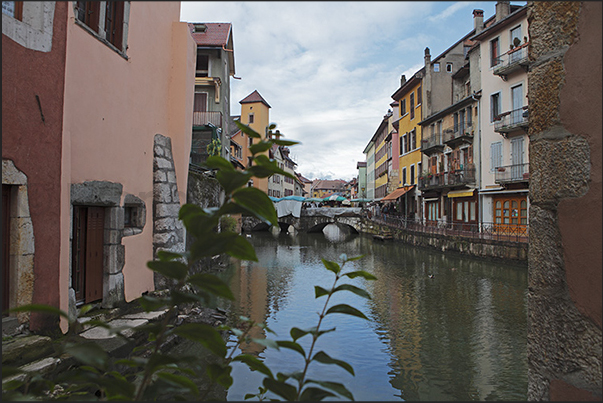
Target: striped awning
x=460, y=193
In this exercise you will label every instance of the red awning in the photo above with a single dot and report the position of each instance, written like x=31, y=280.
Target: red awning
x=397, y=193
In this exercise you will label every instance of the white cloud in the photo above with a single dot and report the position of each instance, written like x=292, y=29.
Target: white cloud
x=328, y=69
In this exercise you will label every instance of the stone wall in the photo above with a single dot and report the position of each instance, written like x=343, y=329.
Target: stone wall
x=564, y=290
x=168, y=231
x=482, y=248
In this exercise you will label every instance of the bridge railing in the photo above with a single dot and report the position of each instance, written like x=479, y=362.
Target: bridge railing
x=485, y=230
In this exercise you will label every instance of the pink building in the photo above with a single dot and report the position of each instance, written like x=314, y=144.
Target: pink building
x=97, y=109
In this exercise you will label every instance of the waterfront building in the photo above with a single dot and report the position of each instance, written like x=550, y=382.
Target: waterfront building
x=362, y=189
x=408, y=141
x=369, y=151
x=255, y=113
x=213, y=68
x=95, y=150
x=504, y=171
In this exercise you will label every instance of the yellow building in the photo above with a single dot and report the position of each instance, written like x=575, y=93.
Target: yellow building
x=409, y=96
x=255, y=113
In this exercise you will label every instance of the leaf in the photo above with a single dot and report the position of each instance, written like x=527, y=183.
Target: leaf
x=319, y=291
x=166, y=256
x=260, y=147
x=351, y=259
x=356, y=290
x=217, y=162
x=284, y=390
x=220, y=374
x=240, y=248
x=324, y=358
x=314, y=394
x=253, y=363
x=180, y=381
x=344, y=308
x=296, y=333
x=335, y=387
x=266, y=342
x=207, y=335
x=152, y=303
x=258, y=203
x=248, y=130
x=212, y=284
x=285, y=143
x=292, y=346
x=88, y=353
x=331, y=266
x=175, y=270
x=231, y=180
x=189, y=209
x=41, y=308
x=361, y=273
x=211, y=244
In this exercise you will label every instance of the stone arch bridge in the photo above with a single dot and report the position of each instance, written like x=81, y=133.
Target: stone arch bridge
x=312, y=219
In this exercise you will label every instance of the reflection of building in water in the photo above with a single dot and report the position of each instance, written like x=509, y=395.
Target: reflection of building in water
x=397, y=306
x=250, y=289
x=261, y=288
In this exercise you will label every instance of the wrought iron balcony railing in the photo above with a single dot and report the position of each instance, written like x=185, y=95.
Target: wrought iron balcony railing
x=463, y=176
x=513, y=60
x=512, y=120
x=512, y=173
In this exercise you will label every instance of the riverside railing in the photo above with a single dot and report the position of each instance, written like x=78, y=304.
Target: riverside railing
x=485, y=230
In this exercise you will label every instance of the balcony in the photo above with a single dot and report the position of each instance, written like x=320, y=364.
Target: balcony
x=512, y=174
x=512, y=61
x=462, y=133
x=448, y=179
x=205, y=118
x=512, y=121
x=432, y=144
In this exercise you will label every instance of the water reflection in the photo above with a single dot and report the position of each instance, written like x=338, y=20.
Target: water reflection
x=442, y=326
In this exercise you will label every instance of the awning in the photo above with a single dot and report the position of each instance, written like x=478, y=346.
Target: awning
x=397, y=193
x=460, y=193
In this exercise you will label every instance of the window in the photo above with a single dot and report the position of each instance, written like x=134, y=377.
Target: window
x=88, y=13
x=495, y=155
x=449, y=67
x=494, y=106
x=403, y=108
x=412, y=105
x=436, y=67
x=106, y=19
x=13, y=9
x=419, y=96
x=404, y=176
x=202, y=69
x=494, y=52
x=469, y=118
x=413, y=139
x=516, y=34
x=200, y=102
x=114, y=23
x=250, y=118
x=412, y=174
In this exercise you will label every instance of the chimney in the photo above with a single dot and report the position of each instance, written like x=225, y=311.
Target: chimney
x=478, y=21
x=427, y=57
x=402, y=80
x=503, y=8
x=426, y=87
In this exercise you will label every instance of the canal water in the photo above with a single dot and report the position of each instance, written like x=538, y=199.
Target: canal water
x=441, y=326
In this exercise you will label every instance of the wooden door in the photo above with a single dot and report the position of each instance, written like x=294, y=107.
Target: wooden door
x=5, y=248
x=87, y=253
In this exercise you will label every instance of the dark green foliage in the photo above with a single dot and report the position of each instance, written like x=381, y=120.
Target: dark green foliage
x=151, y=373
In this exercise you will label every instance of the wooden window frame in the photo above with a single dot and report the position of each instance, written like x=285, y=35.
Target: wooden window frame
x=17, y=11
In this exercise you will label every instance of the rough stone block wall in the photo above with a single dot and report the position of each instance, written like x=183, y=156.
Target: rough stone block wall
x=168, y=230
x=564, y=260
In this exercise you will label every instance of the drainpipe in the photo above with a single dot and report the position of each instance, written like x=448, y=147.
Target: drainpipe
x=479, y=173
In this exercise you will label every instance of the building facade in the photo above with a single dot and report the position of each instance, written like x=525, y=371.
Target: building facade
x=211, y=109
x=112, y=178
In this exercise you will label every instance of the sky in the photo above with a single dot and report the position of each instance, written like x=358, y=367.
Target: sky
x=329, y=69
